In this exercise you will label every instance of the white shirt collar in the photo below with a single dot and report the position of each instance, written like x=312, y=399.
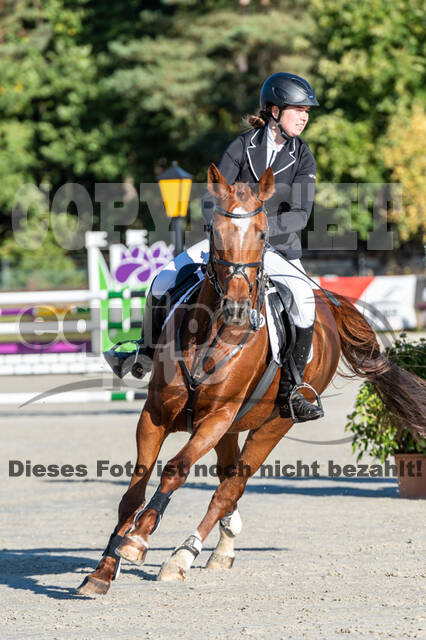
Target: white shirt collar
x=272, y=148
x=271, y=142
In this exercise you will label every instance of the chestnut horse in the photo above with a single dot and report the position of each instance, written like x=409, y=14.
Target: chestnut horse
x=219, y=360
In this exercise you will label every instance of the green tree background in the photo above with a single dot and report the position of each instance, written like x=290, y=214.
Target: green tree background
x=93, y=93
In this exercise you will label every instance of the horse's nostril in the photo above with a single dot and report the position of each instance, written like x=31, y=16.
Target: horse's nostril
x=244, y=309
x=236, y=312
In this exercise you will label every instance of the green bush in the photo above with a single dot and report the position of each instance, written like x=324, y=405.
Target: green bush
x=375, y=430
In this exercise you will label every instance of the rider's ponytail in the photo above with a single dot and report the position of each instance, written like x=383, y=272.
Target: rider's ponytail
x=259, y=121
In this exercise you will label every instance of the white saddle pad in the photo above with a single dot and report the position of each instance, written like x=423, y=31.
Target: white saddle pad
x=275, y=337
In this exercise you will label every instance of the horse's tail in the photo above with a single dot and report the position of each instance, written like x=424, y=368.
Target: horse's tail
x=403, y=393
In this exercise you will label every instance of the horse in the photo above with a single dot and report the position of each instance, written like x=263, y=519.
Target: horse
x=208, y=361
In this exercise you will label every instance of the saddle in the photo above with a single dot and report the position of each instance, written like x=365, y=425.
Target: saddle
x=281, y=329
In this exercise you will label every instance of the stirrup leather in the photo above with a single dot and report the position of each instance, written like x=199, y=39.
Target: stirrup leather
x=296, y=388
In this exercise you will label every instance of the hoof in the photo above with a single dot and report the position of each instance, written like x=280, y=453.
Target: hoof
x=171, y=572
x=93, y=587
x=219, y=561
x=130, y=551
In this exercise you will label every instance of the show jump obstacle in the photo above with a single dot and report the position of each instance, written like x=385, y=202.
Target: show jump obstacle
x=116, y=298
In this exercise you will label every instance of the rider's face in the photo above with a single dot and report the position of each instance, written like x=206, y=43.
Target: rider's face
x=294, y=119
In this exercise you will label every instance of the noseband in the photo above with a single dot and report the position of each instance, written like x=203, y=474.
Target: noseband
x=238, y=268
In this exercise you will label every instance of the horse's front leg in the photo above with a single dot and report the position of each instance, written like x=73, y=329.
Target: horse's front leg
x=207, y=434
x=258, y=446
x=149, y=439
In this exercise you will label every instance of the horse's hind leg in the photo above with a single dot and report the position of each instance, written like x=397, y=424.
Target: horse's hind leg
x=224, y=555
x=230, y=525
x=149, y=438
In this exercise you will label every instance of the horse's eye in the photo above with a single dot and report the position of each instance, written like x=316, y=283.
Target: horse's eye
x=262, y=235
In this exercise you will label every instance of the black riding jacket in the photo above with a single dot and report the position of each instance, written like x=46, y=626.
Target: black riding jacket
x=294, y=172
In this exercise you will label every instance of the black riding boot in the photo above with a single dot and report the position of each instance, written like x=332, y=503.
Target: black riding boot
x=303, y=410
x=139, y=362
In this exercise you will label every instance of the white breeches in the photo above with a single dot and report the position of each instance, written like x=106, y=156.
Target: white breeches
x=303, y=309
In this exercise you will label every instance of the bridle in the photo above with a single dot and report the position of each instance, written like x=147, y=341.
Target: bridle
x=195, y=375
x=237, y=268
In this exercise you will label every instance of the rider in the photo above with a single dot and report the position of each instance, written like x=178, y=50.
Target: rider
x=273, y=141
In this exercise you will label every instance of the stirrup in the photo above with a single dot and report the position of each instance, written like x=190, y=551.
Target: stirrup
x=294, y=391
x=121, y=362
x=143, y=361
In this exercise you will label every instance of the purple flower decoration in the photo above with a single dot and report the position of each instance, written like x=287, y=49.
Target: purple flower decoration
x=142, y=263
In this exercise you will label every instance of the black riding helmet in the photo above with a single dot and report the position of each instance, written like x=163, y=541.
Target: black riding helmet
x=285, y=89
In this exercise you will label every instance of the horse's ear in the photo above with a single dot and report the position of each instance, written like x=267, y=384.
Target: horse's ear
x=266, y=185
x=216, y=183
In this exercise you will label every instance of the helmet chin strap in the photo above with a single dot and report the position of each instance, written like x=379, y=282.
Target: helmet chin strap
x=280, y=127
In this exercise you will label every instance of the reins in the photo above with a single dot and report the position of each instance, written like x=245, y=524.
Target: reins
x=194, y=377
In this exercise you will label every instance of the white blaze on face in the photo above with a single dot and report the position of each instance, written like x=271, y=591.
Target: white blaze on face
x=243, y=224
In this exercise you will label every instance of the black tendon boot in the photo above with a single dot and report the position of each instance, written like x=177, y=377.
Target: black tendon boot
x=303, y=410
x=139, y=361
